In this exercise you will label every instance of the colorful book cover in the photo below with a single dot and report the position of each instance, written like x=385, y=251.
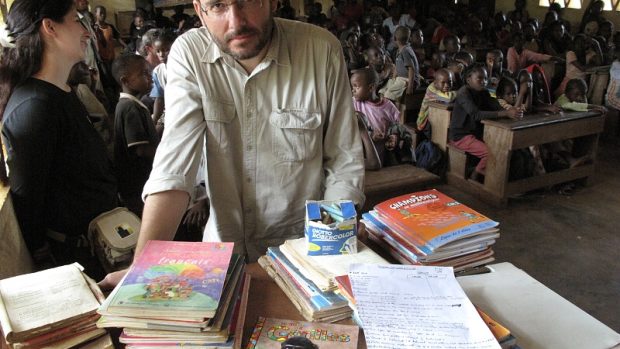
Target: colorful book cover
x=269, y=333
x=432, y=217
x=169, y=277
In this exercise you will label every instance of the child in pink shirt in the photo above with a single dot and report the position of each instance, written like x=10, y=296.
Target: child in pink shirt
x=380, y=112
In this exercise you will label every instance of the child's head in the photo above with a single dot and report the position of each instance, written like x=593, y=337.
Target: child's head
x=417, y=38
x=591, y=28
x=456, y=67
x=364, y=83
x=146, y=44
x=518, y=40
x=352, y=39
x=452, y=44
x=376, y=58
x=494, y=61
x=401, y=35
x=163, y=43
x=606, y=29
x=80, y=74
x=132, y=73
x=443, y=80
x=138, y=19
x=580, y=42
x=100, y=14
x=464, y=57
x=557, y=30
x=438, y=60
x=576, y=90
x=476, y=77
x=507, y=90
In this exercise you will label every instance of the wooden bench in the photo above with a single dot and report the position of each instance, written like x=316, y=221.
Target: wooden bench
x=395, y=180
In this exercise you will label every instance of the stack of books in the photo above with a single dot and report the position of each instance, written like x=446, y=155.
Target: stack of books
x=54, y=308
x=190, y=294
x=310, y=281
x=430, y=228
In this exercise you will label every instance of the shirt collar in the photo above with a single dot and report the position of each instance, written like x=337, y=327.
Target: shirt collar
x=278, y=51
x=133, y=98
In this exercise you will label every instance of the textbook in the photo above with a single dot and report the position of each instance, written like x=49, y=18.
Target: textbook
x=42, y=308
x=269, y=333
x=430, y=219
x=171, y=279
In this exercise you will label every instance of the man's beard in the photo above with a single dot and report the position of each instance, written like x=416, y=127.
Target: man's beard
x=264, y=36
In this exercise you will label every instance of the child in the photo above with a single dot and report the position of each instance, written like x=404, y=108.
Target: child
x=438, y=91
x=508, y=98
x=494, y=63
x=438, y=61
x=472, y=105
x=80, y=81
x=456, y=68
x=586, y=52
x=107, y=37
x=528, y=95
x=520, y=57
x=135, y=135
x=380, y=112
x=378, y=60
x=161, y=46
x=451, y=45
x=417, y=43
x=406, y=72
x=406, y=62
x=574, y=97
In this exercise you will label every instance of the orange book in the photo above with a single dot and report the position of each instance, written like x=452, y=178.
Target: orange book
x=430, y=219
x=499, y=331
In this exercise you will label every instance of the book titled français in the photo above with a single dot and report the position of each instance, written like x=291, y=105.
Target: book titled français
x=173, y=279
x=269, y=333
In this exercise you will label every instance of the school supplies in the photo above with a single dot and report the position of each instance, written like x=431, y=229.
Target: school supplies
x=331, y=227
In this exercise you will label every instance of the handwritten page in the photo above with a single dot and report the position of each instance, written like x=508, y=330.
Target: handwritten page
x=405, y=306
x=45, y=297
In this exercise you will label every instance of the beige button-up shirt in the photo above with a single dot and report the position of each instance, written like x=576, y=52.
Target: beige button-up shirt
x=271, y=139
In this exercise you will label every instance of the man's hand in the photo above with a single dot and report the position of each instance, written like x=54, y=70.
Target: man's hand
x=111, y=280
x=196, y=216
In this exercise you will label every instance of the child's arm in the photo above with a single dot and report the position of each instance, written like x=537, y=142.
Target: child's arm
x=524, y=99
x=411, y=78
x=371, y=156
x=136, y=132
x=470, y=107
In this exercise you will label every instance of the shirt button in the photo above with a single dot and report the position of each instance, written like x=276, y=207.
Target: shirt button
x=249, y=180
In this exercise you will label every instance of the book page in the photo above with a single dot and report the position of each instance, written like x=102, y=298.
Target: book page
x=42, y=298
x=404, y=306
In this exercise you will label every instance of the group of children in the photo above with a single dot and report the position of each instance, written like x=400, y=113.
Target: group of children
x=488, y=92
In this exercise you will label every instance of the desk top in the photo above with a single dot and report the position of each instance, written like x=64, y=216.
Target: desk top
x=539, y=119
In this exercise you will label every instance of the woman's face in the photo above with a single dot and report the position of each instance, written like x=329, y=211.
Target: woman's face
x=71, y=38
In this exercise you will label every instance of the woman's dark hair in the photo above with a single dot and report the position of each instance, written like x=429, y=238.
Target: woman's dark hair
x=20, y=62
x=503, y=85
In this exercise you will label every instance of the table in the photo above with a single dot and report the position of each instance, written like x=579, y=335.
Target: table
x=503, y=136
x=538, y=317
x=267, y=299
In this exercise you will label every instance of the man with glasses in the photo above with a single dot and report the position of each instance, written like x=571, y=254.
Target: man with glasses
x=268, y=103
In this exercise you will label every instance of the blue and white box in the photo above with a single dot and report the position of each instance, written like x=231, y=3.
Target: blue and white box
x=331, y=227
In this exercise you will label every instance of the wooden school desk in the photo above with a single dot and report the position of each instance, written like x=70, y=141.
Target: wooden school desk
x=503, y=136
x=538, y=317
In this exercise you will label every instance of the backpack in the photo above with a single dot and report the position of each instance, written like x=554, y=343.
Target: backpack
x=431, y=158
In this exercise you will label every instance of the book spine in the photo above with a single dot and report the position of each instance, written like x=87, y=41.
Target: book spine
x=256, y=333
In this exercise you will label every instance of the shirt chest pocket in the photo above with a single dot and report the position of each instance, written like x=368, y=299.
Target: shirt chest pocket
x=295, y=134
x=219, y=116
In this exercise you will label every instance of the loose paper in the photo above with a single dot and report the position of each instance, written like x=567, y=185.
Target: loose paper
x=403, y=306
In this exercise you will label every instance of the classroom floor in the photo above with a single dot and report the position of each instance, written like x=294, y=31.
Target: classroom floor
x=569, y=243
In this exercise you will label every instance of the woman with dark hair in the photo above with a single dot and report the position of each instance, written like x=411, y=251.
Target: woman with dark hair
x=60, y=175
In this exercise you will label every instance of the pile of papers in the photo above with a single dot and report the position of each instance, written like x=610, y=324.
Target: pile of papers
x=430, y=228
x=54, y=308
x=189, y=294
x=310, y=281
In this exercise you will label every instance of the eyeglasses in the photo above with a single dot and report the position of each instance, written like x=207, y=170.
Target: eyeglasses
x=221, y=8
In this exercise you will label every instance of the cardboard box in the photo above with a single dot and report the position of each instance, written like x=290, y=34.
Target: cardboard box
x=331, y=227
